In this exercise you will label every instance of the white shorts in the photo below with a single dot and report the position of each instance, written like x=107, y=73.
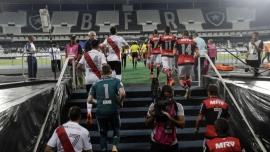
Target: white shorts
x=167, y=62
x=184, y=70
x=148, y=61
x=155, y=58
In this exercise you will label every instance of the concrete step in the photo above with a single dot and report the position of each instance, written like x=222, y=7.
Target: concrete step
x=145, y=102
x=144, y=135
x=139, y=123
x=134, y=92
x=183, y=146
x=140, y=112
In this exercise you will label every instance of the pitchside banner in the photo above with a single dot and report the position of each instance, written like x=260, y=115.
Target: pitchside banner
x=215, y=19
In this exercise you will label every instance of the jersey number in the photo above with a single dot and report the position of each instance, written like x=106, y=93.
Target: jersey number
x=186, y=50
x=168, y=45
x=106, y=89
x=76, y=139
x=219, y=110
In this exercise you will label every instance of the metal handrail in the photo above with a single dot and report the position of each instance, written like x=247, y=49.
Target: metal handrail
x=58, y=104
x=237, y=106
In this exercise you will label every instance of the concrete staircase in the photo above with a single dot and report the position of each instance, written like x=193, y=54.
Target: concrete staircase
x=135, y=136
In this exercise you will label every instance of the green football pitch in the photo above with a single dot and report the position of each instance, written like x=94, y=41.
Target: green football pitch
x=140, y=75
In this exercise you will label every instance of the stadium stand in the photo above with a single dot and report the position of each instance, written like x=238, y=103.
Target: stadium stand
x=234, y=13
x=210, y=21
x=18, y=18
x=85, y=23
x=61, y=29
x=33, y=23
x=191, y=18
x=215, y=19
x=62, y=21
x=260, y=18
x=240, y=17
x=12, y=22
x=11, y=30
x=149, y=19
x=69, y=17
x=106, y=19
x=190, y=14
x=169, y=18
x=127, y=20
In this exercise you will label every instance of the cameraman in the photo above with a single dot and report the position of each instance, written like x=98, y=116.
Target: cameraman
x=164, y=133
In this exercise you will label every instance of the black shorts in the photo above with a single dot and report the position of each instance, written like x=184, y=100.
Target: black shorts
x=88, y=87
x=134, y=54
x=155, y=147
x=144, y=54
x=115, y=65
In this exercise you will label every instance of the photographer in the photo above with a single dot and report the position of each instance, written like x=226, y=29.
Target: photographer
x=164, y=133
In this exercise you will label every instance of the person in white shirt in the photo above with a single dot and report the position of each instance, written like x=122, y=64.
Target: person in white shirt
x=70, y=136
x=202, y=49
x=55, y=57
x=92, y=70
x=253, y=54
x=114, y=44
x=31, y=59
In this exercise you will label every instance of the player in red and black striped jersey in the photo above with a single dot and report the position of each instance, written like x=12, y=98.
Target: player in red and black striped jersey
x=185, y=49
x=212, y=109
x=223, y=143
x=155, y=57
x=166, y=42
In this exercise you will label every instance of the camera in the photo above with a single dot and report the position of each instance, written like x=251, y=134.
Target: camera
x=160, y=102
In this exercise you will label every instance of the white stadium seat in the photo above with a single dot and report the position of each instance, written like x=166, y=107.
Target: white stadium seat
x=151, y=16
x=68, y=17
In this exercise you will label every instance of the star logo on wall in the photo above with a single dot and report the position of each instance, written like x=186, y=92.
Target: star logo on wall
x=215, y=18
x=35, y=22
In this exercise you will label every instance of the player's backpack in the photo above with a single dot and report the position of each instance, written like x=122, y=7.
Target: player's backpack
x=165, y=132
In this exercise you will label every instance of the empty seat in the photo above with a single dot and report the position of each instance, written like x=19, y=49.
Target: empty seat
x=12, y=30
x=191, y=18
x=17, y=18
x=240, y=25
x=105, y=28
x=67, y=17
x=235, y=13
x=148, y=17
x=240, y=17
x=195, y=27
x=107, y=17
x=61, y=30
x=149, y=28
x=187, y=15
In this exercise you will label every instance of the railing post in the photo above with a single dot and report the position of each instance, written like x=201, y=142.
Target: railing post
x=23, y=66
x=73, y=76
x=199, y=71
x=12, y=59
